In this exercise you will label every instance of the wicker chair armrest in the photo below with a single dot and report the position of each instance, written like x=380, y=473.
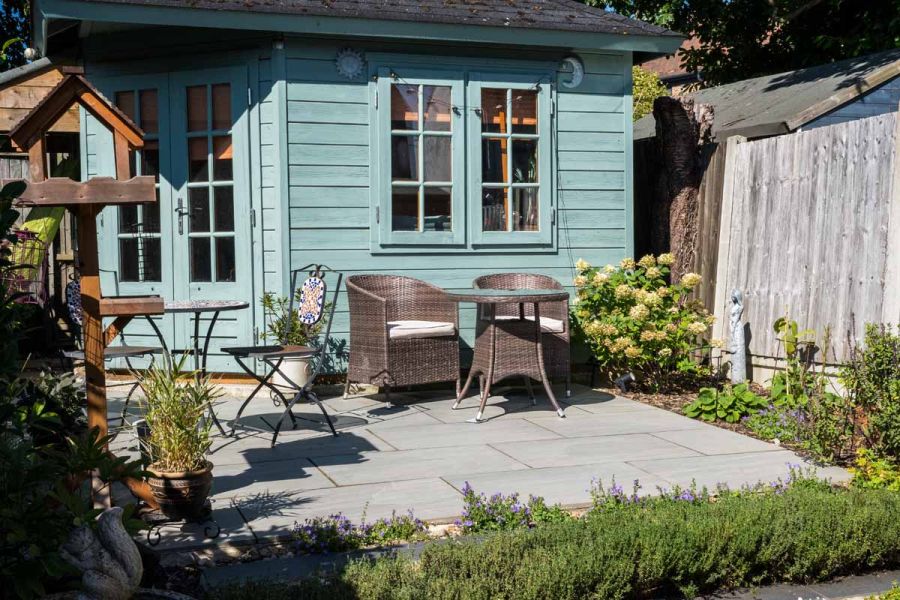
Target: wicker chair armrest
x=368, y=318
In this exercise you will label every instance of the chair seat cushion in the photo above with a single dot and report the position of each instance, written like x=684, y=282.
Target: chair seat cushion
x=548, y=324
x=420, y=329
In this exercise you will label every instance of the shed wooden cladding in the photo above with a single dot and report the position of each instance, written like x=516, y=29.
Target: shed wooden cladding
x=62, y=191
x=18, y=97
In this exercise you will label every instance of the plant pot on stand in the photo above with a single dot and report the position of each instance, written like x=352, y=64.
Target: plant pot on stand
x=182, y=495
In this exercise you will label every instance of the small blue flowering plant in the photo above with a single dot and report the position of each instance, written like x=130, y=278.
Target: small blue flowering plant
x=500, y=512
x=337, y=533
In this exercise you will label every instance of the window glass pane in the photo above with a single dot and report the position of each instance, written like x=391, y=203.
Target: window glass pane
x=404, y=107
x=221, y=106
x=405, y=209
x=524, y=111
x=225, y=259
x=224, y=210
x=152, y=259
x=525, y=209
x=128, y=259
x=196, y=108
x=149, y=112
x=493, y=206
x=223, y=152
x=493, y=160
x=437, y=209
x=198, y=205
x=125, y=103
x=405, y=158
x=437, y=158
x=150, y=159
x=128, y=218
x=150, y=216
x=436, y=102
x=198, y=156
x=200, y=259
x=525, y=163
x=493, y=110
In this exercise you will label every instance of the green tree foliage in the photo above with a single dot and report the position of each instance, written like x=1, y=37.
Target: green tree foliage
x=740, y=39
x=15, y=33
x=646, y=88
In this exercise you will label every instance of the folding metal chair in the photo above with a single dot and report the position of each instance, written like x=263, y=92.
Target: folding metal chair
x=312, y=309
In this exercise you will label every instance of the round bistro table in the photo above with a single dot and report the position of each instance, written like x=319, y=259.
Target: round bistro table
x=510, y=346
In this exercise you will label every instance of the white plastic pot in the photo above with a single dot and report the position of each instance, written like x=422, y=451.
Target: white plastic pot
x=296, y=368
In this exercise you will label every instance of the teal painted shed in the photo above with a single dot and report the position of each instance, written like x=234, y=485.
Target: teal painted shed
x=441, y=139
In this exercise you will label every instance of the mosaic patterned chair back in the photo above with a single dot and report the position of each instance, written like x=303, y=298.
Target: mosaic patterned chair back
x=312, y=299
x=73, y=301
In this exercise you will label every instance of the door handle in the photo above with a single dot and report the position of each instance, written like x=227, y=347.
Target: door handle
x=181, y=211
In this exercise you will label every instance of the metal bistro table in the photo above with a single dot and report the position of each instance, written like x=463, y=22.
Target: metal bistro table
x=198, y=307
x=509, y=346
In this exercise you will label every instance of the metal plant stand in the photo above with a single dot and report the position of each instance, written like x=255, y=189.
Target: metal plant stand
x=157, y=521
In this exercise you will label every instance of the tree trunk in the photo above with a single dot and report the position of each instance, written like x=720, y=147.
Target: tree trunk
x=682, y=128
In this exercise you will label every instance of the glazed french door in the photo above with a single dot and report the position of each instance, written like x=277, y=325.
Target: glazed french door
x=196, y=244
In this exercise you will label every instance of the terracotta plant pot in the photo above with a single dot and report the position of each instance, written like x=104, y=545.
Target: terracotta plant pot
x=181, y=495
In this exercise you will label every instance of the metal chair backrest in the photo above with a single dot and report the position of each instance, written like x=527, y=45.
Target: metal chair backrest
x=314, y=304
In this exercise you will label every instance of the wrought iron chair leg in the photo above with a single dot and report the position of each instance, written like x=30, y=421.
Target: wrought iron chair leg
x=240, y=411
x=315, y=398
x=287, y=410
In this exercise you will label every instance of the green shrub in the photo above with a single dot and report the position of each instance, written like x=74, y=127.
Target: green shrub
x=872, y=472
x=777, y=423
x=729, y=404
x=804, y=533
x=634, y=320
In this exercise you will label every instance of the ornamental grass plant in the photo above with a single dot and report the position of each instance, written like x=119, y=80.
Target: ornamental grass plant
x=177, y=401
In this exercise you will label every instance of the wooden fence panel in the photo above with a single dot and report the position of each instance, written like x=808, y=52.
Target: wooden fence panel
x=809, y=221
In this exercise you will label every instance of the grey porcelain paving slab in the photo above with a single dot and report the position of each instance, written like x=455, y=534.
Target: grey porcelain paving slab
x=256, y=449
x=714, y=440
x=414, y=464
x=603, y=403
x=585, y=450
x=734, y=470
x=191, y=535
x=275, y=513
x=413, y=418
x=282, y=475
x=568, y=485
x=383, y=413
x=616, y=423
x=463, y=434
x=518, y=406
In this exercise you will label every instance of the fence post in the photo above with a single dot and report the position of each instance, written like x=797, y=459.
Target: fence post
x=890, y=308
x=720, y=307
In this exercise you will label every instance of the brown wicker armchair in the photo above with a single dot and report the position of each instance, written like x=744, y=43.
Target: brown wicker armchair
x=554, y=318
x=403, y=331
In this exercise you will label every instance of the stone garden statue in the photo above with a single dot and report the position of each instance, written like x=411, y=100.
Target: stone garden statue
x=738, y=343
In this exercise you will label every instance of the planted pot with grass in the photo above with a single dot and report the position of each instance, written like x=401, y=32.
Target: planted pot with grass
x=180, y=474
x=283, y=327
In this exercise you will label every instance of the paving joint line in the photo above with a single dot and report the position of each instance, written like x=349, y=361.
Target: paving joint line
x=320, y=470
x=521, y=462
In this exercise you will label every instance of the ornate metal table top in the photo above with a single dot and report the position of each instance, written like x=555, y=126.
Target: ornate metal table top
x=197, y=306
x=489, y=296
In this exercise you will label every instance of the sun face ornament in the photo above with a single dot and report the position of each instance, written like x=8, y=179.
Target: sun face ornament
x=349, y=63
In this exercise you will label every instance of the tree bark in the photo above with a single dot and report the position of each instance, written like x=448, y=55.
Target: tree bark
x=682, y=129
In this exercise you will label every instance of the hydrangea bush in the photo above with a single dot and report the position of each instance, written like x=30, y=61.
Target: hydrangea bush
x=635, y=320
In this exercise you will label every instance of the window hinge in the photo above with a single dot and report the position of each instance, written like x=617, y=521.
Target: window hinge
x=376, y=98
x=552, y=106
x=253, y=218
x=255, y=332
x=378, y=214
x=553, y=217
x=249, y=96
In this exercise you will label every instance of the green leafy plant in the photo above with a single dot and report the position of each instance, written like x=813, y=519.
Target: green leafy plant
x=646, y=87
x=176, y=404
x=729, y=404
x=337, y=533
x=871, y=472
x=283, y=326
x=500, y=512
x=777, y=423
x=634, y=320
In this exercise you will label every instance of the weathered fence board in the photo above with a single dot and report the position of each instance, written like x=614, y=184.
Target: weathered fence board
x=809, y=221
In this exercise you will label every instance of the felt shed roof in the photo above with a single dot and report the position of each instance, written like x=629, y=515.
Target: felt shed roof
x=784, y=102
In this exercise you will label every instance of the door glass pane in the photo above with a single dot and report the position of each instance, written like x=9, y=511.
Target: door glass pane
x=437, y=209
x=493, y=160
x=405, y=107
x=405, y=209
x=198, y=205
x=436, y=101
x=198, y=159
x=221, y=106
x=493, y=110
x=152, y=259
x=224, y=210
x=493, y=206
x=224, y=259
x=125, y=103
x=196, y=108
x=405, y=158
x=128, y=218
x=223, y=153
x=525, y=209
x=200, y=259
x=128, y=260
x=151, y=216
x=524, y=111
x=150, y=159
x=437, y=158
x=524, y=161
x=149, y=112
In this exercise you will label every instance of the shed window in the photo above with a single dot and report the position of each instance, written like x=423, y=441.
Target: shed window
x=464, y=160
